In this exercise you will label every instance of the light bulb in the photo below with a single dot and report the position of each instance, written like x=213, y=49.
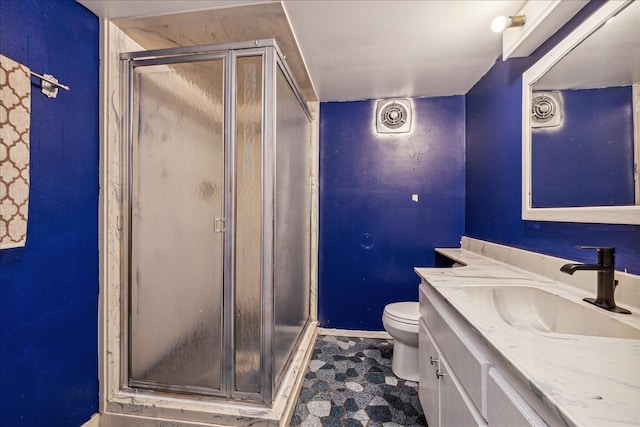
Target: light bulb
x=498, y=24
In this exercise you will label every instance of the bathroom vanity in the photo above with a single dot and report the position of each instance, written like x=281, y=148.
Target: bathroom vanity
x=506, y=340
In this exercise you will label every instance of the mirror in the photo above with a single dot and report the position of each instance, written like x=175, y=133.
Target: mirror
x=581, y=123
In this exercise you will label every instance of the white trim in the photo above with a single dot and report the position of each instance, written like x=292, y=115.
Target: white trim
x=636, y=139
x=113, y=41
x=314, y=107
x=102, y=211
x=542, y=20
x=112, y=10
x=94, y=421
x=354, y=333
x=591, y=214
x=130, y=420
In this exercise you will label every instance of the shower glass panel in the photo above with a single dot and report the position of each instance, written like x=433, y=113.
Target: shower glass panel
x=292, y=250
x=218, y=221
x=248, y=224
x=176, y=190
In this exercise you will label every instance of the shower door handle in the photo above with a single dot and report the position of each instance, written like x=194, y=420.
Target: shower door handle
x=217, y=222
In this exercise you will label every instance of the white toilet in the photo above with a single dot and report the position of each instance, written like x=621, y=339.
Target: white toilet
x=400, y=320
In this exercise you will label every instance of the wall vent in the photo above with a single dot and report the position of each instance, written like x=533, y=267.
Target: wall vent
x=546, y=109
x=393, y=116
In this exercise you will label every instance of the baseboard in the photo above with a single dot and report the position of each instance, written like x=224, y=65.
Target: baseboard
x=94, y=421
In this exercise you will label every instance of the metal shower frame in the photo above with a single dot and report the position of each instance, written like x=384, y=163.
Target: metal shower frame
x=272, y=58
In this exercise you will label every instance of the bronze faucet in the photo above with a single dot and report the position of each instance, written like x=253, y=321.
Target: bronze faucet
x=606, y=282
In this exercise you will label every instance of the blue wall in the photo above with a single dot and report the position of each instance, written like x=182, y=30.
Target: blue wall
x=49, y=288
x=493, y=172
x=372, y=234
x=594, y=139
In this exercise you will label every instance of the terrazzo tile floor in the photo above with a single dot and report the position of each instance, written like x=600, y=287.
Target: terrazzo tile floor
x=349, y=382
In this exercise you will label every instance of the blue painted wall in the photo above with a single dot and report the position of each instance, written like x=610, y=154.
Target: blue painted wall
x=594, y=139
x=372, y=234
x=49, y=289
x=493, y=172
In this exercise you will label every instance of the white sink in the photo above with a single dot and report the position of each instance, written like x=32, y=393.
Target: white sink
x=533, y=309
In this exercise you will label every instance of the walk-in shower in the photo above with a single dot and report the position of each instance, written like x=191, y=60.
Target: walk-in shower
x=217, y=221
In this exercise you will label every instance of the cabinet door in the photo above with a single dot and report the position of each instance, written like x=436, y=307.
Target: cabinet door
x=456, y=409
x=457, y=344
x=428, y=388
x=506, y=407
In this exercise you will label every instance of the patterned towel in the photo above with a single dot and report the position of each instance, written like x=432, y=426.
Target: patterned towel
x=15, y=114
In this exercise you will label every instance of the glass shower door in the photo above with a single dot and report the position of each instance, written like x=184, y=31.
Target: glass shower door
x=248, y=226
x=177, y=190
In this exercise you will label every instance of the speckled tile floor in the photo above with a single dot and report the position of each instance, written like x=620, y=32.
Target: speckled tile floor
x=349, y=382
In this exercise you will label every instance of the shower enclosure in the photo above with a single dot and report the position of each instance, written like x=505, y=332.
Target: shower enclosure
x=217, y=219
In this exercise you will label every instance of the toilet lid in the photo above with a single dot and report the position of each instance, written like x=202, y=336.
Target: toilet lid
x=405, y=312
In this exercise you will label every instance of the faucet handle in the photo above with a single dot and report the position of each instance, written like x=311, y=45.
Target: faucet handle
x=600, y=249
x=606, y=255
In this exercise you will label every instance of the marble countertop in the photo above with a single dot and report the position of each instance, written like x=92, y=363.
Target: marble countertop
x=586, y=380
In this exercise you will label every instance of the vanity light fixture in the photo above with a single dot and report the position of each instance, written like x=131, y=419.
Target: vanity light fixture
x=500, y=23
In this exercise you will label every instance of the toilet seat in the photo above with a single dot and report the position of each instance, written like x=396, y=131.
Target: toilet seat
x=403, y=312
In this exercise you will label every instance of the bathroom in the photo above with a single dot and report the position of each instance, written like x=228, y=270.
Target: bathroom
x=463, y=162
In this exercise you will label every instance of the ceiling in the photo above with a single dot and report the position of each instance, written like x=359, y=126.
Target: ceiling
x=379, y=49
x=370, y=49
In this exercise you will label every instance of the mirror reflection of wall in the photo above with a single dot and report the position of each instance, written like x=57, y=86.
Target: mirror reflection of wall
x=588, y=156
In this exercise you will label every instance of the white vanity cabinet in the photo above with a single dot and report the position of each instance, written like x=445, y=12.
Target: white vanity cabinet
x=437, y=385
x=444, y=399
x=461, y=381
x=429, y=366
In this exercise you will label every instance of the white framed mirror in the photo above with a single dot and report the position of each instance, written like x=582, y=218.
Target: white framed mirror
x=581, y=123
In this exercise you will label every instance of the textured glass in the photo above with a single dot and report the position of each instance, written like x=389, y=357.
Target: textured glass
x=248, y=238
x=292, y=222
x=177, y=259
